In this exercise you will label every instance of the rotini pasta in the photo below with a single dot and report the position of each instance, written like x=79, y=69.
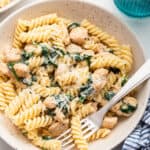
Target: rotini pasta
x=108, y=61
x=86, y=109
x=101, y=133
x=4, y=3
x=30, y=113
x=49, y=144
x=43, y=20
x=38, y=122
x=9, y=91
x=21, y=27
x=60, y=72
x=77, y=134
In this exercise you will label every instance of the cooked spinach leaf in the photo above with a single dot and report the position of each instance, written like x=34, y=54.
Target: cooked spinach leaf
x=109, y=95
x=77, y=57
x=46, y=138
x=127, y=108
x=11, y=68
x=63, y=102
x=25, y=55
x=45, y=50
x=73, y=25
x=86, y=90
x=124, y=80
x=34, y=78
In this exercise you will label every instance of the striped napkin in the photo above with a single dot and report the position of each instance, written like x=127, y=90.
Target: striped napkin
x=139, y=139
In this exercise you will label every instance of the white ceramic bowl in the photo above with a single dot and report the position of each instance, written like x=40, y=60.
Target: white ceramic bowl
x=77, y=10
x=10, y=5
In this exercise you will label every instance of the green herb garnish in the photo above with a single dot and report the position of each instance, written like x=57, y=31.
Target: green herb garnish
x=127, y=108
x=25, y=55
x=109, y=95
x=124, y=108
x=86, y=90
x=73, y=25
x=124, y=80
x=77, y=57
x=45, y=50
x=34, y=78
x=62, y=102
x=46, y=138
x=11, y=68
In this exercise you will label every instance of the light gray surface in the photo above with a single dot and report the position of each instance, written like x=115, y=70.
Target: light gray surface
x=141, y=27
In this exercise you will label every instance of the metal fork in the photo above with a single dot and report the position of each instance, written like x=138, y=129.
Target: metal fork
x=93, y=122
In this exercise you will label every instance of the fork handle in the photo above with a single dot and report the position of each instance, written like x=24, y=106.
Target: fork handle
x=139, y=77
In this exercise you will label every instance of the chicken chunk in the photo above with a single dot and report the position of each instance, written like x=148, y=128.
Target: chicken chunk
x=78, y=35
x=131, y=101
x=101, y=72
x=109, y=122
x=61, y=69
x=4, y=69
x=30, y=48
x=99, y=79
x=22, y=70
x=59, y=115
x=100, y=48
x=67, y=41
x=50, y=102
x=73, y=48
x=57, y=128
x=12, y=55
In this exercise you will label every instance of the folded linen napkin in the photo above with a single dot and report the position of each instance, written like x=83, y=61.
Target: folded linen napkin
x=139, y=139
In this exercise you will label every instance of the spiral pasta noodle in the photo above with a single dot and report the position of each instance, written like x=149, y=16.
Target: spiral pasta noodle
x=4, y=3
x=3, y=101
x=21, y=27
x=125, y=54
x=103, y=36
x=30, y=113
x=16, y=104
x=35, y=62
x=77, y=135
x=108, y=61
x=44, y=91
x=34, y=37
x=47, y=144
x=67, y=79
x=9, y=91
x=38, y=122
x=86, y=109
x=40, y=29
x=101, y=133
x=43, y=20
x=30, y=99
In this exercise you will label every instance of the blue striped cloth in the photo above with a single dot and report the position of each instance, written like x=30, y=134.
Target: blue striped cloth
x=139, y=139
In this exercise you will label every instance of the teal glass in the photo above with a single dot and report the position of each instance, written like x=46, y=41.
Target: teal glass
x=134, y=8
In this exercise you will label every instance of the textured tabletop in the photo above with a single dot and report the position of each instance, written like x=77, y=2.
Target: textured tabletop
x=140, y=27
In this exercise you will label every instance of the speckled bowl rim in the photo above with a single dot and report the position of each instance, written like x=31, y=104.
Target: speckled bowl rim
x=14, y=145
x=7, y=7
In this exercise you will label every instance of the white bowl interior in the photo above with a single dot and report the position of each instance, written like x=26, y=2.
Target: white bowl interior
x=77, y=10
